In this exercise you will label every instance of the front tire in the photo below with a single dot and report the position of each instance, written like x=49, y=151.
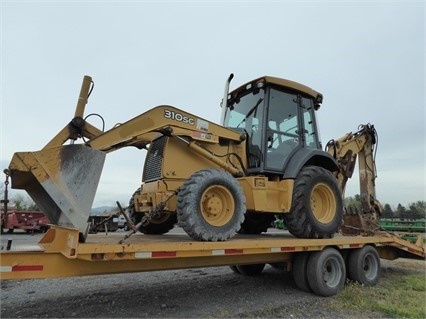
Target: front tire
x=156, y=226
x=211, y=205
x=317, y=207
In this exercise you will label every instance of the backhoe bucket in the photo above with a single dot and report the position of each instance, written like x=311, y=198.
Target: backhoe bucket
x=62, y=181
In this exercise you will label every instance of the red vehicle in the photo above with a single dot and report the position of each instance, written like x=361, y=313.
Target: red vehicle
x=31, y=221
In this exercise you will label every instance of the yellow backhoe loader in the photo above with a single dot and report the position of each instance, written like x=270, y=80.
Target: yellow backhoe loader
x=212, y=180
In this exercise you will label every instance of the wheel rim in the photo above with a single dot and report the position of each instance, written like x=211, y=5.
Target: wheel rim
x=332, y=273
x=217, y=205
x=370, y=267
x=323, y=203
x=160, y=218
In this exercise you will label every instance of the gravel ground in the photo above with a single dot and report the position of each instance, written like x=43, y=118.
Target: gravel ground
x=195, y=293
x=191, y=293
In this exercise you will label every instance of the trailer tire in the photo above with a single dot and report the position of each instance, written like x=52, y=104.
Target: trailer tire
x=211, y=205
x=326, y=272
x=256, y=223
x=234, y=269
x=251, y=270
x=317, y=205
x=300, y=271
x=157, y=226
x=364, y=266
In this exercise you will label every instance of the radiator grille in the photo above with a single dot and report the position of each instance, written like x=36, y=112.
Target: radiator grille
x=154, y=160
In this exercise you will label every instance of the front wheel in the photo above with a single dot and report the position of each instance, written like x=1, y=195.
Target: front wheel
x=211, y=205
x=317, y=205
x=160, y=224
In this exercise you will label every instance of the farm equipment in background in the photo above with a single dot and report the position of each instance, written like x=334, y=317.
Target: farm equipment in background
x=407, y=228
x=28, y=220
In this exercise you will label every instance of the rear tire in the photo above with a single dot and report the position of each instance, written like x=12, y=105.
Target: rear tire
x=364, y=266
x=317, y=208
x=300, y=272
x=326, y=272
x=211, y=205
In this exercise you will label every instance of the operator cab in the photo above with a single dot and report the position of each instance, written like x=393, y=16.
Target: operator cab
x=278, y=117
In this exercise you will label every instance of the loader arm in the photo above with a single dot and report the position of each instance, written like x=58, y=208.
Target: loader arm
x=62, y=179
x=345, y=150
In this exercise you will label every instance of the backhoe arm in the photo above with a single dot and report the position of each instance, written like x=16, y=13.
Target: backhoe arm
x=345, y=150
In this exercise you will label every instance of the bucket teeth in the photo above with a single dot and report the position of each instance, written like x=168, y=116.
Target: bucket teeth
x=62, y=181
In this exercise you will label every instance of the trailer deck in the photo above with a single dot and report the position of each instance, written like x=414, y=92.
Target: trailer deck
x=59, y=254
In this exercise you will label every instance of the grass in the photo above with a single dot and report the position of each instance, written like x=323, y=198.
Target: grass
x=399, y=294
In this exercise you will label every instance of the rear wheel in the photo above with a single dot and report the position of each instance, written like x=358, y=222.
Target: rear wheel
x=317, y=208
x=300, y=272
x=364, y=266
x=157, y=225
x=326, y=272
x=211, y=205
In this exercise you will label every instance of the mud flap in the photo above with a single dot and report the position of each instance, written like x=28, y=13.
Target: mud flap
x=62, y=181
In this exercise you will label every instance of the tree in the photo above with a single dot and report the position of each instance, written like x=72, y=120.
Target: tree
x=400, y=210
x=418, y=209
x=353, y=204
x=23, y=202
x=387, y=211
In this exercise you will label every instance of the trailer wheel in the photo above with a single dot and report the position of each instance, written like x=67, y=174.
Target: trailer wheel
x=234, y=269
x=300, y=271
x=364, y=265
x=211, y=205
x=317, y=207
x=251, y=270
x=256, y=223
x=156, y=226
x=326, y=272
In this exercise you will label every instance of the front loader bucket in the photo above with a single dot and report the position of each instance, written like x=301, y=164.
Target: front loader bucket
x=62, y=181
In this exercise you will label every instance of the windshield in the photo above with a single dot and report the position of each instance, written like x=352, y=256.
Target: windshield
x=246, y=112
x=246, y=115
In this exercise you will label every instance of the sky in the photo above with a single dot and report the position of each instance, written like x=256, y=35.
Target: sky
x=366, y=57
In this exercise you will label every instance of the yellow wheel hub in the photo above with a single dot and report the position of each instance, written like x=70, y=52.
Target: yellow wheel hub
x=323, y=203
x=217, y=205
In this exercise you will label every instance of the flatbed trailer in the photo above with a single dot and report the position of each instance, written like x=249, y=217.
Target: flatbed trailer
x=319, y=265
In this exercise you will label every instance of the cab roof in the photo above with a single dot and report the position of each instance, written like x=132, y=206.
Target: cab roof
x=283, y=83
